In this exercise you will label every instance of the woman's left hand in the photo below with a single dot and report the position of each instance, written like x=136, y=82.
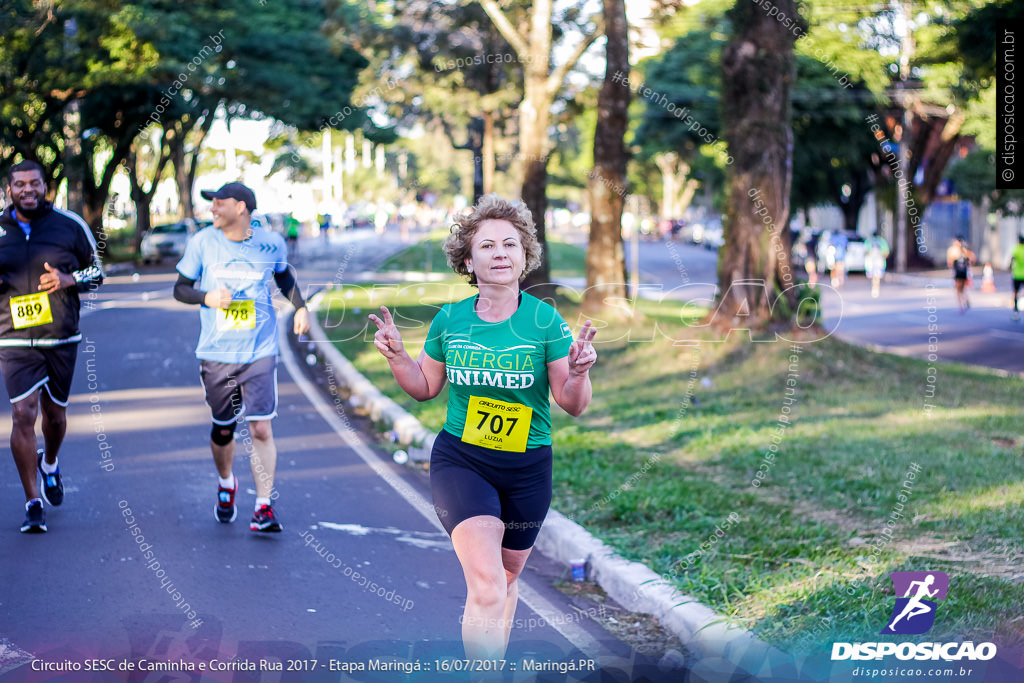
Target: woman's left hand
x=582, y=355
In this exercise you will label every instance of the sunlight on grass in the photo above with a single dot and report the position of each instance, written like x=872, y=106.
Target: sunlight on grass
x=676, y=434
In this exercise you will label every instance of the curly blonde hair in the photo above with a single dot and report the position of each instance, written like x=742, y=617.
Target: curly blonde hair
x=459, y=244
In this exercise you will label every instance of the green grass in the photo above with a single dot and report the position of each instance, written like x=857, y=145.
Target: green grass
x=565, y=260
x=663, y=457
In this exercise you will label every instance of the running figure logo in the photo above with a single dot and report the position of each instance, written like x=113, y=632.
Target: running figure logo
x=914, y=613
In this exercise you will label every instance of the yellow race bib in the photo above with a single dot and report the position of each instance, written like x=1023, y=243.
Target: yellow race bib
x=31, y=310
x=497, y=424
x=239, y=315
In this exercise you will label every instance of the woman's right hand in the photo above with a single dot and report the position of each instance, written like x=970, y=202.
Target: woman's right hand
x=387, y=339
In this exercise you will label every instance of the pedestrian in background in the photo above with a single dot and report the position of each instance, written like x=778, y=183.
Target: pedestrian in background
x=959, y=257
x=839, y=242
x=876, y=251
x=811, y=259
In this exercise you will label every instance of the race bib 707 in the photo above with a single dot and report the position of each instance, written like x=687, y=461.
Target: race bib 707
x=497, y=424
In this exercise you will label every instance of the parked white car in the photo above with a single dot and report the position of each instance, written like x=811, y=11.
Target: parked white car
x=167, y=240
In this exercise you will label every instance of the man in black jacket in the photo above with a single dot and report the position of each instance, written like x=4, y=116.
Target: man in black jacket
x=47, y=256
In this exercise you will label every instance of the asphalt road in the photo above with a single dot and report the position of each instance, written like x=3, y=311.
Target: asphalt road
x=914, y=316
x=361, y=576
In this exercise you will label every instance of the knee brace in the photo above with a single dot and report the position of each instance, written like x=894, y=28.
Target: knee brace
x=222, y=435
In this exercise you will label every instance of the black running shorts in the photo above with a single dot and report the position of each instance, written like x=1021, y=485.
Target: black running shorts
x=470, y=481
x=234, y=389
x=27, y=368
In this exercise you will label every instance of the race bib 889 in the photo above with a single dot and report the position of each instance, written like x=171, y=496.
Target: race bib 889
x=31, y=310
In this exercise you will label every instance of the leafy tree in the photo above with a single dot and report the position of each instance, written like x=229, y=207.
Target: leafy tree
x=758, y=67
x=465, y=85
x=835, y=158
x=681, y=92
x=531, y=34
x=605, y=258
x=132, y=64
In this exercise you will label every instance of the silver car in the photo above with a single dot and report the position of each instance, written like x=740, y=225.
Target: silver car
x=167, y=240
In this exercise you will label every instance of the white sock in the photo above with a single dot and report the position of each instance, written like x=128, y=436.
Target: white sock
x=34, y=500
x=228, y=483
x=260, y=502
x=47, y=467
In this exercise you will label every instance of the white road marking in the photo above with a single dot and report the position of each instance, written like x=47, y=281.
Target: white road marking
x=1003, y=334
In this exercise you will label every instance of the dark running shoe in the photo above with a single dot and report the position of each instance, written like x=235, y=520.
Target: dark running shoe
x=225, y=510
x=264, y=520
x=35, y=520
x=50, y=485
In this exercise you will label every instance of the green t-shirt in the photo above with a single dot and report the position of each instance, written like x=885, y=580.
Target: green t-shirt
x=1018, y=262
x=498, y=373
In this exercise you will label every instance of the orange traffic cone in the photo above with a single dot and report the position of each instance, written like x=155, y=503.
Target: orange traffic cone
x=988, y=285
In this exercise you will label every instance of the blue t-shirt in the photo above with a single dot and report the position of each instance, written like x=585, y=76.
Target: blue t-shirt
x=248, y=331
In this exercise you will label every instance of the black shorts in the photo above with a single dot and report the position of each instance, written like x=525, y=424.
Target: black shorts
x=236, y=388
x=1017, y=284
x=27, y=368
x=469, y=481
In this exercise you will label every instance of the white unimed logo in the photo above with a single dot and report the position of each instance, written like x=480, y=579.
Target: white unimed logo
x=949, y=652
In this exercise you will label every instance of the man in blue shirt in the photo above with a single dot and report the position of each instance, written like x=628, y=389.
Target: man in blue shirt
x=228, y=269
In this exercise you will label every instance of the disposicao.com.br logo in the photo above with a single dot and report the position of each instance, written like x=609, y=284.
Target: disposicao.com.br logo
x=917, y=594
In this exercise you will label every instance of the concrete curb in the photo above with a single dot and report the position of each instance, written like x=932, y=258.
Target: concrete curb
x=417, y=439
x=632, y=584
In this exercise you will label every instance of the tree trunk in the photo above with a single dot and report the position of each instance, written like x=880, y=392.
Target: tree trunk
x=177, y=147
x=689, y=191
x=948, y=138
x=673, y=172
x=95, y=193
x=185, y=162
x=860, y=186
x=488, y=152
x=141, y=197
x=605, y=258
x=539, y=90
x=476, y=145
x=758, y=73
x=534, y=114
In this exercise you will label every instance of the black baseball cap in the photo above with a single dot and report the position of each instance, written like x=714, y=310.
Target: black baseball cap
x=233, y=191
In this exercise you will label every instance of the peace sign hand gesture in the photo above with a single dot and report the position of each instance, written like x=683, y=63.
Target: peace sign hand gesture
x=387, y=339
x=582, y=355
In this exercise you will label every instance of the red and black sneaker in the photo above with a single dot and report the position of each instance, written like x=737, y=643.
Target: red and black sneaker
x=264, y=520
x=225, y=510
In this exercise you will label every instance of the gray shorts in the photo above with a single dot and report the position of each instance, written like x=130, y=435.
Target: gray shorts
x=237, y=390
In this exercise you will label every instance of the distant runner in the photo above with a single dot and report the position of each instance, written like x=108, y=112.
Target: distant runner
x=876, y=251
x=47, y=256
x=1017, y=273
x=228, y=269
x=502, y=351
x=959, y=257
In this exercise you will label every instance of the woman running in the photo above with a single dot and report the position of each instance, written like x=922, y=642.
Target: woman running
x=502, y=351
